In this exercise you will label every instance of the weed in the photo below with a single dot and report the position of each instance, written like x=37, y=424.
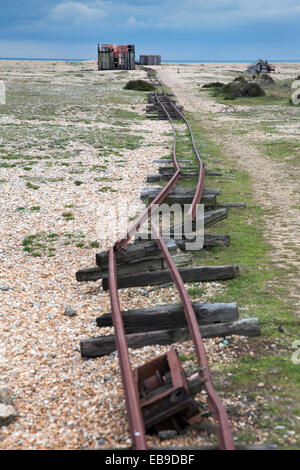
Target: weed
x=32, y=186
x=68, y=215
x=94, y=244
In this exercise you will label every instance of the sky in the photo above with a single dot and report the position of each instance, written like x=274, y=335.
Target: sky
x=176, y=29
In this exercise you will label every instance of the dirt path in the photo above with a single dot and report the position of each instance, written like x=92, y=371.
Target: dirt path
x=276, y=184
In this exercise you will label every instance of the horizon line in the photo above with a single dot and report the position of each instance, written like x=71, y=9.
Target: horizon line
x=166, y=60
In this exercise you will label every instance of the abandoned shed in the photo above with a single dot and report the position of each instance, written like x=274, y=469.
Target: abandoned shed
x=149, y=59
x=111, y=56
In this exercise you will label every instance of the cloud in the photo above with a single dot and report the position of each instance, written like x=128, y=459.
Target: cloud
x=76, y=12
x=185, y=28
x=131, y=21
x=219, y=13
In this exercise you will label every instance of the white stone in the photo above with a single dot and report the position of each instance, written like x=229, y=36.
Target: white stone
x=7, y=414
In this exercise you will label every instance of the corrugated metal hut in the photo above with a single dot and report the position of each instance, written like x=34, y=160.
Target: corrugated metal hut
x=150, y=59
x=111, y=56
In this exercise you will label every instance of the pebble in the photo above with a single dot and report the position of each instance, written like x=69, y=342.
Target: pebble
x=70, y=312
x=5, y=288
x=167, y=434
x=8, y=413
x=6, y=395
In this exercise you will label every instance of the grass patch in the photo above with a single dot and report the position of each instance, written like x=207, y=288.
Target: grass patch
x=195, y=292
x=7, y=165
x=107, y=189
x=94, y=244
x=45, y=244
x=31, y=185
x=286, y=150
x=68, y=215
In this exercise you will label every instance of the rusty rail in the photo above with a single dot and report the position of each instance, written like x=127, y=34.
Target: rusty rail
x=135, y=419
x=134, y=414
x=161, y=195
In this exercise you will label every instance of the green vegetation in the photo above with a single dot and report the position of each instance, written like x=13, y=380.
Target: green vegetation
x=94, y=244
x=31, y=186
x=140, y=85
x=68, y=215
x=284, y=150
x=213, y=85
x=240, y=87
x=262, y=90
x=107, y=189
x=46, y=243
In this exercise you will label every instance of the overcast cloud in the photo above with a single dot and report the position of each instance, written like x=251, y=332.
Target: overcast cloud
x=172, y=27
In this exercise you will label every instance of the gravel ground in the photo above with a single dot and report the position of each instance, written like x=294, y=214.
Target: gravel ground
x=64, y=402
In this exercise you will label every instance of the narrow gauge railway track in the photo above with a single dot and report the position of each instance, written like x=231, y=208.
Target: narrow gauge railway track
x=134, y=412
x=157, y=393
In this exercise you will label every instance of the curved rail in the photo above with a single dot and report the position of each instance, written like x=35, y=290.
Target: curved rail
x=136, y=425
x=161, y=195
x=131, y=396
x=200, y=184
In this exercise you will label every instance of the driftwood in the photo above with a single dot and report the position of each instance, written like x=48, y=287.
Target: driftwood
x=104, y=345
x=194, y=274
x=163, y=317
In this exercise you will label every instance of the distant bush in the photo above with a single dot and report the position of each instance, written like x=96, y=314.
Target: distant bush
x=240, y=88
x=140, y=85
x=213, y=85
x=240, y=79
x=266, y=78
